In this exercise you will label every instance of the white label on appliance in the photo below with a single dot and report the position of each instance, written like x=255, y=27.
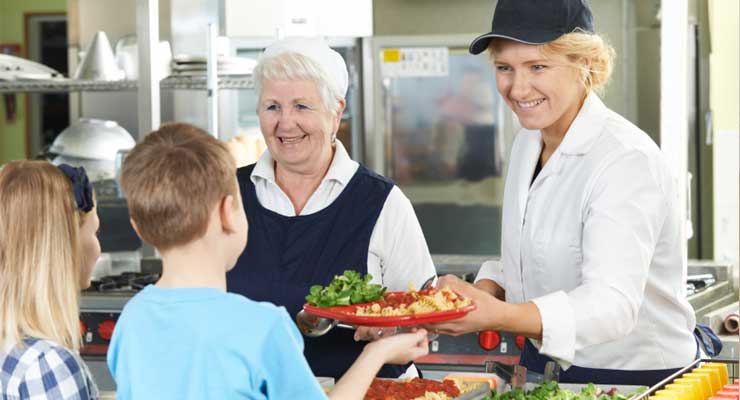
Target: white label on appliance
x=89, y=337
x=504, y=347
x=415, y=62
x=434, y=346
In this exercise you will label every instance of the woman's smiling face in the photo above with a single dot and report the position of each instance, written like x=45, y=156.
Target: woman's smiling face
x=296, y=124
x=545, y=94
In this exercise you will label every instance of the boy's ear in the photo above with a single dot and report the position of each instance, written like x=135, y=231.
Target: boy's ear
x=226, y=211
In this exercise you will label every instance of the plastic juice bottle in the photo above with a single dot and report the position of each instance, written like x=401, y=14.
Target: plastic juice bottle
x=689, y=391
x=671, y=394
x=706, y=381
x=722, y=368
x=713, y=376
x=697, y=383
x=662, y=397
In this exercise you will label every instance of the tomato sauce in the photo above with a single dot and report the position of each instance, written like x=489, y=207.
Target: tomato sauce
x=384, y=389
x=395, y=300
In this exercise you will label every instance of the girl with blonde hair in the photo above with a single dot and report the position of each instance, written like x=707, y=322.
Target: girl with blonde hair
x=48, y=247
x=591, y=271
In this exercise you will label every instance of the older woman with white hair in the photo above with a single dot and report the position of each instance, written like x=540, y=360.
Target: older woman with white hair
x=313, y=212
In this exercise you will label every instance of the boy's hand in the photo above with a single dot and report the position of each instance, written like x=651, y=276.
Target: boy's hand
x=401, y=348
x=373, y=333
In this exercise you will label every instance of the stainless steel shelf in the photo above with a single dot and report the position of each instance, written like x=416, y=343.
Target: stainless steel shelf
x=169, y=83
x=199, y=82
x=64, y=85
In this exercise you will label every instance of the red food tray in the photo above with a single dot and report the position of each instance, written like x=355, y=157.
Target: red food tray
x=347, y=315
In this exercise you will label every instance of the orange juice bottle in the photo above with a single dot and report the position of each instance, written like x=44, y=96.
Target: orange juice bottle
x=689, y=391
x=722, y=368
x=669, y=394
x=713, y=375
x=706, y=381
x=697, y=383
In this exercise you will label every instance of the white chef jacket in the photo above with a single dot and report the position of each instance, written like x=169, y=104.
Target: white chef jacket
x=398, y=253
x=594, y=242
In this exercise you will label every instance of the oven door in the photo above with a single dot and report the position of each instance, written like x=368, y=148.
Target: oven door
x=442, y=132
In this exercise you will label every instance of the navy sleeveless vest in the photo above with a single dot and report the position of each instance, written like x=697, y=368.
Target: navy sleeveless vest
x=285, y=256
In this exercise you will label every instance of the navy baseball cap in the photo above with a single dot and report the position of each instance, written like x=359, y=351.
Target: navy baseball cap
x=535, y=21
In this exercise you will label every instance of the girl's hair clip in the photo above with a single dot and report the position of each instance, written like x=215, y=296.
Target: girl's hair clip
x=81, y=186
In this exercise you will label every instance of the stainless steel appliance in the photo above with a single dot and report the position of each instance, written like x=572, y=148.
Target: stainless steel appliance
x=438, y=127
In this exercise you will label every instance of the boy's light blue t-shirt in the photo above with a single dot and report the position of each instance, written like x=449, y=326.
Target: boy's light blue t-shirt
x=204, y=343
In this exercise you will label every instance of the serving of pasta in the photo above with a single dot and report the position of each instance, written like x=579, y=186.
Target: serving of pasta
x=417, y=389
x=413, y=303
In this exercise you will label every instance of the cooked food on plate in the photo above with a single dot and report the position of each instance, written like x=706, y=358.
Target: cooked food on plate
x=416, y=389
x=413, y=303
x=351, y=298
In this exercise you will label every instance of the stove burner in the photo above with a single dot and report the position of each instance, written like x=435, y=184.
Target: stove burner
x=127, y=281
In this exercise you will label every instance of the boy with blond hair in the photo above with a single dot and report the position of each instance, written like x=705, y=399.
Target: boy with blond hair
x=186, y=337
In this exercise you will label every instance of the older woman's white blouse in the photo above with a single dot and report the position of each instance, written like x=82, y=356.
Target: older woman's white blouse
x=594, y=243
x=398, y=253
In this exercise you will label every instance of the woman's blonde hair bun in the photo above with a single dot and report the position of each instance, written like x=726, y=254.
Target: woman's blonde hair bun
x=588, y=52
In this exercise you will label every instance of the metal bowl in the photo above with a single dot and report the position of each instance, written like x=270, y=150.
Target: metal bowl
x=97, y=170
x=94, y=139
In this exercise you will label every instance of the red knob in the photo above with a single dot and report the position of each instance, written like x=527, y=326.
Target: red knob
x=520, y=342
x=83, y=328
x=105, y=329
x=489, y=340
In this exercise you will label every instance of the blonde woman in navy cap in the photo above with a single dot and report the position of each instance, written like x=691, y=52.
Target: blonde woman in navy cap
x=591, y=267
x=314, y=212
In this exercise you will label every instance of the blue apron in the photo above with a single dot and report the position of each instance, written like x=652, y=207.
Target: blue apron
x=534, y=361
x=285, y=256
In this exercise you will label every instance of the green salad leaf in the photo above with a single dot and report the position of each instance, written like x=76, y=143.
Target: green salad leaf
x=344, y=290
x=552, y=391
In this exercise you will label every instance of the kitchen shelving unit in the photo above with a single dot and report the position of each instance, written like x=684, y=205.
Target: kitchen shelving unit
x=225, y=82
x=64, y=85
